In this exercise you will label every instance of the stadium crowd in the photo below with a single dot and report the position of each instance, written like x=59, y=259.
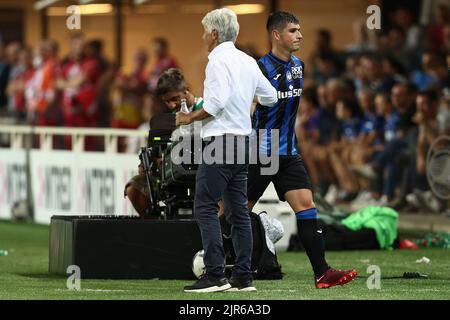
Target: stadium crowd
x=368, y=113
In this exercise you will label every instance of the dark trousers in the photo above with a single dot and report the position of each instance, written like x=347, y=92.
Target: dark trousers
x=228, y=182
x=386, y=163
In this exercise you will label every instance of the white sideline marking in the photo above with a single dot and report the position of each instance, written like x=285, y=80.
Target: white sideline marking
x=94, y=290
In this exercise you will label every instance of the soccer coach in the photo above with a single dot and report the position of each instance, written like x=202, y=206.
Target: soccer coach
x=232, y=80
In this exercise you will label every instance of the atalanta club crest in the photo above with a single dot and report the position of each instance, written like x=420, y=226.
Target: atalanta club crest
x=288, y=76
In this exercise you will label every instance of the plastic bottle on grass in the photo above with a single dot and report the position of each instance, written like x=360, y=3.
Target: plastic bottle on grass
x=3, y=253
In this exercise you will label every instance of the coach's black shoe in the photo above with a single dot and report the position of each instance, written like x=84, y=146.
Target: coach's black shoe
x=208, y=284
x=241, y=285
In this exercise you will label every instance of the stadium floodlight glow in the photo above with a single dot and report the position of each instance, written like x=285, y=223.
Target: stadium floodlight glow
x=96, y=8
x=86, y=9
x=246, y=8
x=42, y=4
x=138, y=2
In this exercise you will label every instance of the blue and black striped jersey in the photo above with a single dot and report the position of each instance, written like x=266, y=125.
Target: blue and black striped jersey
x=287, y=79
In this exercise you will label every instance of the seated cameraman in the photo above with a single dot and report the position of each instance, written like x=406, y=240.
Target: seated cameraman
x=171, y=89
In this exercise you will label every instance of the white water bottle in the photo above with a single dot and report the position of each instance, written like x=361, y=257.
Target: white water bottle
x=184, y=128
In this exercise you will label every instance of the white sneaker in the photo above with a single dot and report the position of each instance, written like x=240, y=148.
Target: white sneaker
x=431, y=202
x=366, y=171
x=363, y=199
x=413, y=200
x=332, y=194
x=383, y=201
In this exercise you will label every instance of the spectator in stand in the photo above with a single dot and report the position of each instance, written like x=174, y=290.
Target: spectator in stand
x=400, y=134
x=92, y=69
x=434, y=71
x=436, y=28
x=383, y=169
x=393, y=70
x=426, y=117
x=324, y=51
x=4, y=76
x=8, y=71
x=382, y=43
x=397, y=47
x=133, y=144
x=41, y=91
x=371, y=127
x=351, y=68
x=403, y=97
x=444, y=112
x=164, y=61
x=367, y=144
x=69, y=82
x=128, y=97
x=129, y=94
x=94, y=48
x=12, y=56
x=108, y=70
x=80, y=75
x=18, y=84
x=307, y=130
x=12, y=51
x=373, y=76
x=340, y=150
x=445, y=49
x=326, y=68
x=403, y=17
x=328, y=95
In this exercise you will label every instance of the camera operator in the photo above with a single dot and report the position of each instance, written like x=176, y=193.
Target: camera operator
x=171, y=89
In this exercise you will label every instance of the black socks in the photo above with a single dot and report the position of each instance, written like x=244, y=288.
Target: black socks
x=312, y=240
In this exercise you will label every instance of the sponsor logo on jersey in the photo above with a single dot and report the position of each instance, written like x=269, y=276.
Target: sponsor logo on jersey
x=292, y=93
x=297, y=72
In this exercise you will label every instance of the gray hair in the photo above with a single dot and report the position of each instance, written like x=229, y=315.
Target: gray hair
x=224, y=21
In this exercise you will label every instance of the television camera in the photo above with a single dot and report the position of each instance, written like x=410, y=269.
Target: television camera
x=171, y=185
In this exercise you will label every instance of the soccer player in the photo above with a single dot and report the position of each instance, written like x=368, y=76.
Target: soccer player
x=285, y=71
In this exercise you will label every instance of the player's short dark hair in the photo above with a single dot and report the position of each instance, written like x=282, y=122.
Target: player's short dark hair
x=171, y=80
x=279, y=19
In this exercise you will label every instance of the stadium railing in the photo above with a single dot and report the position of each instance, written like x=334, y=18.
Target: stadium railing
x=17, y=135
x=64, y=182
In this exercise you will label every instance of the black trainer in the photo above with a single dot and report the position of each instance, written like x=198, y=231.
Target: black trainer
x=241, y=285
x=208, y=284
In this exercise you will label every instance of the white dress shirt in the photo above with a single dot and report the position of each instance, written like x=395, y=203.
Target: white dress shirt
x=233, y=78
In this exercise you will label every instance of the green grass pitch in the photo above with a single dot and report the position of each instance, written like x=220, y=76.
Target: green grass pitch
x=24, y=275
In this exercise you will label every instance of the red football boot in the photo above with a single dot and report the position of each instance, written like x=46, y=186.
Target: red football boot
x=333, y=277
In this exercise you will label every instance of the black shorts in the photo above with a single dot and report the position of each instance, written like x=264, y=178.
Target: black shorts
x=291, y=175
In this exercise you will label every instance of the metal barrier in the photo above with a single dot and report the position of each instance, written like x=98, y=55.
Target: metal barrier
x=42, y=181
x=17, y=134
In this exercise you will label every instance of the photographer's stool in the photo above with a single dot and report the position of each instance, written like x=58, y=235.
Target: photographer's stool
x=115, y=247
